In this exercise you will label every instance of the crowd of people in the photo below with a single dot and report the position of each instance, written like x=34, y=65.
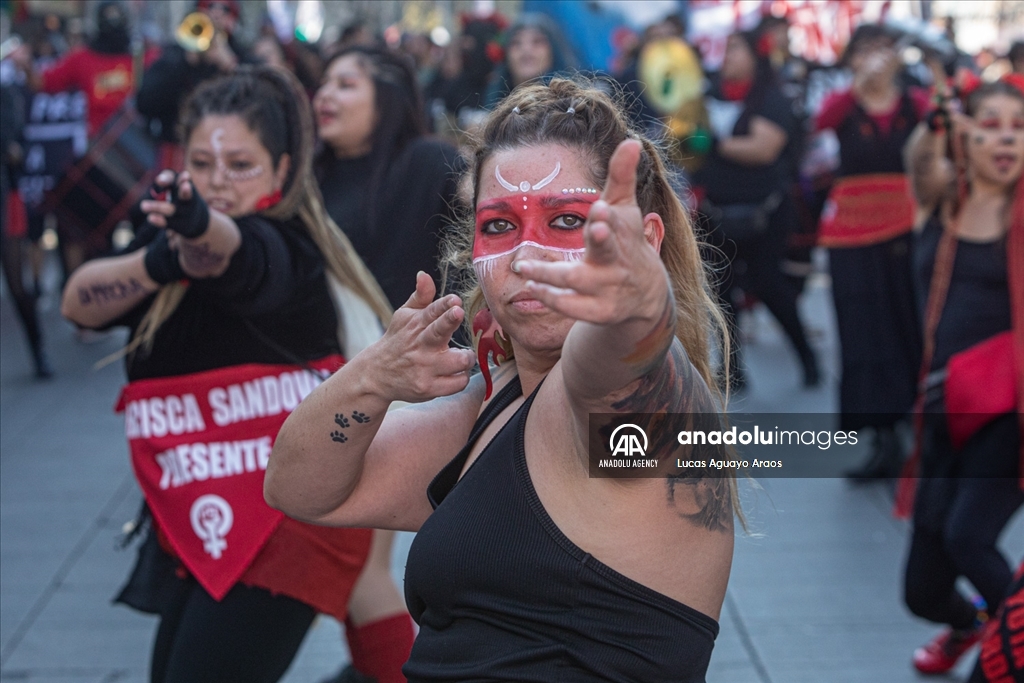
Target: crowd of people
x=372, y=258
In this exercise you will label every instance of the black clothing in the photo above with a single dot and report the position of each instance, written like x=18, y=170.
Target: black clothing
x=168, y=82
x=397, y=229
x=501, y=594
x=873, y=289
x=863, y=148
x=879, y=332
x=251, y=636
x=978, y=302
x=729, y=182
x=963, y=502
x=12, y=123
x=752, y=265
x=964, y=497
x=274, y=285
x=271, y=305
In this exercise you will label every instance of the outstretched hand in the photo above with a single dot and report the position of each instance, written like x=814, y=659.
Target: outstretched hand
x=183, y=211
x=414, y=355
x=621, y=276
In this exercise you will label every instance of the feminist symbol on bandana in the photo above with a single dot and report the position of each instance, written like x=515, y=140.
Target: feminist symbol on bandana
x=211, y=520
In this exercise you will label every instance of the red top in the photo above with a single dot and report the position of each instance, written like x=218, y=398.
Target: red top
x=838, y=106
x=105, y=79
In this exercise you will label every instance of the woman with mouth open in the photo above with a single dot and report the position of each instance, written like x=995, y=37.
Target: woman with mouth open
x=225, y=289
x=969, y=260
x=583, y=272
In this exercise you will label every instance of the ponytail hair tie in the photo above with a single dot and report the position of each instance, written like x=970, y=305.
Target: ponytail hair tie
x=515, y=110
x=570, y=110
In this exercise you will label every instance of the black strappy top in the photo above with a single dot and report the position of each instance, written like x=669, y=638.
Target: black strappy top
x=501, y=594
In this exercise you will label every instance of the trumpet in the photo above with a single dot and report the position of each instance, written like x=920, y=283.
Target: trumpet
x=195, y=33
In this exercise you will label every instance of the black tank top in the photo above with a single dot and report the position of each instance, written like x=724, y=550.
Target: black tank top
x=978, y=302
x=501, y=594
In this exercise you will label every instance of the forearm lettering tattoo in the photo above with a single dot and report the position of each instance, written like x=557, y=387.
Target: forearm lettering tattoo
x=344, y=422
x=199, y=258
x=103, y=293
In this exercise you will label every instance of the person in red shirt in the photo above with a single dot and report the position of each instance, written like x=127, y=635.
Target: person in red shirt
x=103, y=70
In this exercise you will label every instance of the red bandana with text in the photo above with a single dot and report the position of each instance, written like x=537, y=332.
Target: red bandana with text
x=200, y=445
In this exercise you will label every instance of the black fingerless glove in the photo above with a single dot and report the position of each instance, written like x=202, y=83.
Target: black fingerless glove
x=938, y=120
x=191, y=218
x=161, y=261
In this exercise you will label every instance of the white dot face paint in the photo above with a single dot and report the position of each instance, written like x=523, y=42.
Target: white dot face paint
x=216, y=142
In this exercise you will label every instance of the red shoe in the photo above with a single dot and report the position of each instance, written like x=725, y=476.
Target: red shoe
x=942, y=654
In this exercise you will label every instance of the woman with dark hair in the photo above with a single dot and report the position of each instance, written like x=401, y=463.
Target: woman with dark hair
x=388, y=185
x=534, y=49
x=584, y=275
x=392, y=190
x=744, y=190
x=969, y=259
x=866, y=226
x=225, y=290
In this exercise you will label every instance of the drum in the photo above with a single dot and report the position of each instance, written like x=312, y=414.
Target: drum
x=101, y=188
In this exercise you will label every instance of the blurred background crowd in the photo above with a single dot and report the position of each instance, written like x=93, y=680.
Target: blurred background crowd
x=785, y=122
x=92, y=90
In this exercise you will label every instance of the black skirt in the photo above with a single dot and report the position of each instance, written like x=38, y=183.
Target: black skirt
x=879, y=332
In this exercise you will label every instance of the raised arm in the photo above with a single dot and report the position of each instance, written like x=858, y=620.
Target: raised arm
x=197, y=243
x=930, y=170
x=342, y=459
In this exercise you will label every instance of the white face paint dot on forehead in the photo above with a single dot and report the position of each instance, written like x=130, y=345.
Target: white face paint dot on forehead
x=218, y=153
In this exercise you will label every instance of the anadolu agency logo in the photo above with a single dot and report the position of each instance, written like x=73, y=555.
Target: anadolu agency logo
x=626, y=443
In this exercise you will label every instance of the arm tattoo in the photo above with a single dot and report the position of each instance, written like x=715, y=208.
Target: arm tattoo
x=344, y=422
x=199, y=258
x=109, y=292
x=670, y=398
x=712, y=496
x=649, y=351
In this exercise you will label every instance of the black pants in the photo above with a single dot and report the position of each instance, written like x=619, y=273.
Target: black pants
x=250, y=636
x=753, y=265
x=958, y=516
x=11, y=257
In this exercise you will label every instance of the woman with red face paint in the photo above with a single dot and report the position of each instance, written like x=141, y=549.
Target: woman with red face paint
x=583, y=275
x=225, y=290
x=969, y=260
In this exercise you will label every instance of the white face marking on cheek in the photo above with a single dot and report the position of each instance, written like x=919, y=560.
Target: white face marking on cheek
x=247, y=174
x=484, y=265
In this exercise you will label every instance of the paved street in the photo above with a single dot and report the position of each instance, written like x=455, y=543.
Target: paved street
x=814, y=595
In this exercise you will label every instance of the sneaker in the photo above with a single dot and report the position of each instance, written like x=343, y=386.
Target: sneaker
x=942, y=654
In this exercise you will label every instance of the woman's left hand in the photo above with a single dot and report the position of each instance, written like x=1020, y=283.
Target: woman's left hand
x=621, y=276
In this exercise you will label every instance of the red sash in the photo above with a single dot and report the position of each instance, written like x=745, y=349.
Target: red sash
x=866, y=209
x=980, y=386
x=200, y=444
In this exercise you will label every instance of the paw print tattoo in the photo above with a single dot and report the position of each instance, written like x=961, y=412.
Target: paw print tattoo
x=361, y=418
x=341, y=420
x=339, y=437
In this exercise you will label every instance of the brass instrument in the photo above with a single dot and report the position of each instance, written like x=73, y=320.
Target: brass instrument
x=674, y=80
x=195, y=33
